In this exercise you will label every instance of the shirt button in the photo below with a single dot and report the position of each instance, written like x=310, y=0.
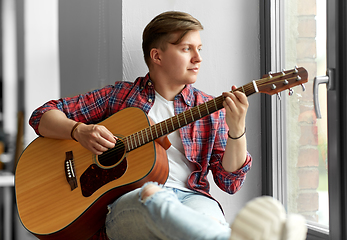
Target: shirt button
x=150, y=100
x=149, y=84
x=188, y=103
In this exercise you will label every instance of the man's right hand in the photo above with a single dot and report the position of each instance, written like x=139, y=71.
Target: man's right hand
x=95, y=138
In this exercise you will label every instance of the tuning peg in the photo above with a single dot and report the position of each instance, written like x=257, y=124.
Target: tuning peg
x=273, y=87
x=286, y=82
x=291, y=92
x=298, y=78
x=303, y=87
x=279, y=96
x=296, y=69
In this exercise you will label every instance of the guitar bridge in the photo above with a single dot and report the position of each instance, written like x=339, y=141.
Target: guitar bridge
x=70, y=170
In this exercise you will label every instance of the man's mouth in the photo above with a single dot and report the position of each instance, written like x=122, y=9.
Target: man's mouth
x=194, y=69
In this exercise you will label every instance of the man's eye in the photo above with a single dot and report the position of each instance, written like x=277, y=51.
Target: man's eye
x=186, y=49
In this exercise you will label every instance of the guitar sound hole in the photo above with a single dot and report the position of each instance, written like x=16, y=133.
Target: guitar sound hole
x=113, y=155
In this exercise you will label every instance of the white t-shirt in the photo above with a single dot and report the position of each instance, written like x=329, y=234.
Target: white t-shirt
x=179, y=166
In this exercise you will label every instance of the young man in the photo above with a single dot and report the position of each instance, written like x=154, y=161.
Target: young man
x=183, y=207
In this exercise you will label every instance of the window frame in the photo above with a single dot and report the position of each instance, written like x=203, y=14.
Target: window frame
x=272, y=115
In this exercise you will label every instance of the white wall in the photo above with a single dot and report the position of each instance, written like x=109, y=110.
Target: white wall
x=9, y=69
x=231, y=56
x=42, y=81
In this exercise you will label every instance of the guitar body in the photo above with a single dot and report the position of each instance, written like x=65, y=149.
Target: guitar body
x=51, y=207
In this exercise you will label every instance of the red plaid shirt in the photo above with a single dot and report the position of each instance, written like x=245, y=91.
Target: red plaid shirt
x=204, y=140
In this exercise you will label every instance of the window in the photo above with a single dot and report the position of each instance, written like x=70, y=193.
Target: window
x=305, y=154
x=305, y=146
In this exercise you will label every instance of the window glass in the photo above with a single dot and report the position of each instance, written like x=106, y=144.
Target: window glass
x=306, y=190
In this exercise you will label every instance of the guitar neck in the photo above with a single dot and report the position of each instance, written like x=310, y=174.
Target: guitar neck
x=178, y=121
x=269, y=84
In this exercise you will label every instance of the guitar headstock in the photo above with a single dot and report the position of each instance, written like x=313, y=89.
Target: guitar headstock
x=277, y=82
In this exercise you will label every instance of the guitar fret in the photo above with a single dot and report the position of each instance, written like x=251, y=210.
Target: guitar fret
x=215, y=104
x=156, y=130
x=131, y=140
x=178, y=121
x=151, y=133
x=139, y=138
x=134, y=140
x=191, y=113
x=128, y=143
x=162, y=133
x=184, y=115
x=135, y=143
x=143, y=140
x=208, y=112
x=173, y=126
x=199, y=111
x=147, y=134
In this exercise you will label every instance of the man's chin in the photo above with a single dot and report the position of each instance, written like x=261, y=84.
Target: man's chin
x=192, y=79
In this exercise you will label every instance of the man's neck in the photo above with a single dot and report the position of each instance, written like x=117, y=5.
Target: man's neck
x=164, y=88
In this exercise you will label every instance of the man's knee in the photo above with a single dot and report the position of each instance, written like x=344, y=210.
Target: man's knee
x=148, y=190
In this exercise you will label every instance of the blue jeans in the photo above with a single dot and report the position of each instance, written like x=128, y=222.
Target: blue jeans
x=167, y=214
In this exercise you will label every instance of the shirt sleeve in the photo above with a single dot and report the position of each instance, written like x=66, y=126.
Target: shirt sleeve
x=231, y=182
x=88, y=108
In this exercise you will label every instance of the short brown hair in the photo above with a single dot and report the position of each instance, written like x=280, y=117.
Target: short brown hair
x=159, y=30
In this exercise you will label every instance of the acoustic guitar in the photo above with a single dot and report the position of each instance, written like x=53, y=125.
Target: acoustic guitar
x=62, y=189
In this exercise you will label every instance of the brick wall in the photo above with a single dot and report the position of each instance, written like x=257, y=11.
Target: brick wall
x=307, y=172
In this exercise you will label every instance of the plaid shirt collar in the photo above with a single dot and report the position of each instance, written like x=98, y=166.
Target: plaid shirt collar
x=187, y=93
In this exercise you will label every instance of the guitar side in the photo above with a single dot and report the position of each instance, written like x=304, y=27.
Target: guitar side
x=47, y=205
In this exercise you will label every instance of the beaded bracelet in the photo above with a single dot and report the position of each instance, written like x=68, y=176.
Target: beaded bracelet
x=74, y=129
x=238, y=136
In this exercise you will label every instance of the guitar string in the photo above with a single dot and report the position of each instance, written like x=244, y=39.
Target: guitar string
x=245, y=89
x=263, y=81
x=182, y=116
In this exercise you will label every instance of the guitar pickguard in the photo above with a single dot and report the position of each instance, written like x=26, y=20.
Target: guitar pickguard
x=95, y=177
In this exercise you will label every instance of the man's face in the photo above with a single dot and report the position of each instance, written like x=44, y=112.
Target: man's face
x=181, y=62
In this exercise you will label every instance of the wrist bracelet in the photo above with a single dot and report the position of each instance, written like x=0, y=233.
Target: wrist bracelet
x=74, y=129
x=238, y=136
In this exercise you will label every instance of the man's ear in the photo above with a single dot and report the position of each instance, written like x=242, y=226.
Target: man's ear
x=155, y=56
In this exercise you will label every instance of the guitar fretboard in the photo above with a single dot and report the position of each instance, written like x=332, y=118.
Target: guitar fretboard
x=180, y=120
